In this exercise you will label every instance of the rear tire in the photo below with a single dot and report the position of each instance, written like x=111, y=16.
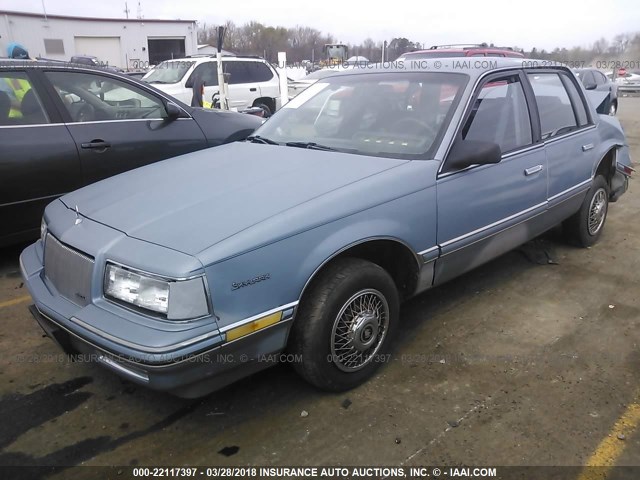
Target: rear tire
x=585, y=226
x=345, y=324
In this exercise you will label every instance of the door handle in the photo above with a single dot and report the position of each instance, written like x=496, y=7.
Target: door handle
x=587, y=147
x=96, y=145
x=532, y=170
x=253, y=89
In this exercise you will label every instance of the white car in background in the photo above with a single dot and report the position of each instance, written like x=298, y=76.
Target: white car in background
x=627, y=82
x=252, y=81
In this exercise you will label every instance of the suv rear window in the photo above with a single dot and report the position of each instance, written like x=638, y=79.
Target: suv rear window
x=259, y=72
x=240, y=72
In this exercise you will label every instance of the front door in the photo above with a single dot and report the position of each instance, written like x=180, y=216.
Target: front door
x=484, y=211
x=119, y=126
x=38, y=157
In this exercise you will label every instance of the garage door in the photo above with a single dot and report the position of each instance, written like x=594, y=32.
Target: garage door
x=107, y=49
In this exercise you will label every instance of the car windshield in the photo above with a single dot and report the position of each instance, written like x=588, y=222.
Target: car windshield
x=391, y=114
x=168, y=72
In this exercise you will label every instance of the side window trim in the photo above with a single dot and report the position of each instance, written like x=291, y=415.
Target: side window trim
x=564, y=78
x=534, y=116
x=42, y=89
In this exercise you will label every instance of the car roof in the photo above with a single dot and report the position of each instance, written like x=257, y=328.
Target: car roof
x=213, y=58
x=466, y=50
x=472, y=66
x=64, y=64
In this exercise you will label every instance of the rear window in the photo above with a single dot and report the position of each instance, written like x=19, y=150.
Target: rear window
x=557, y=115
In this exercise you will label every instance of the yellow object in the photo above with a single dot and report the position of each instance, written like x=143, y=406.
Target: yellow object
x=20, y=87
x=611, y=448
x=254, y=326
x=15, y=301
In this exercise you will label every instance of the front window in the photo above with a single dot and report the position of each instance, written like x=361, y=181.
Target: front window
x=168, y=72
x=89, y=97
x=396, y=115
x=500, y=114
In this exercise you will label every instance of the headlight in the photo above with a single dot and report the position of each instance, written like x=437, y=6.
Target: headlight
x=43, y=229
x=175, y=300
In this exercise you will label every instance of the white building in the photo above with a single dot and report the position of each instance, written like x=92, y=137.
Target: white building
x=205, y=49
x=125, y=43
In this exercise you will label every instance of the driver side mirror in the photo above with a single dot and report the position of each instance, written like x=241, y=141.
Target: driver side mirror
x=173, y=111
x=465, y=153
x=590, y=86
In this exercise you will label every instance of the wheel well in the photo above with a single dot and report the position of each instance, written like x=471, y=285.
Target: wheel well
x=269, y=102
x=606, y=167
x=396, y=258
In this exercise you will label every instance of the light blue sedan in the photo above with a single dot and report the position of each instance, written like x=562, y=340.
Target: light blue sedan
x=369, y=187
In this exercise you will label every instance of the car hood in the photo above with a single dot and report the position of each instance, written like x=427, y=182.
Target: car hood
x=191, y=202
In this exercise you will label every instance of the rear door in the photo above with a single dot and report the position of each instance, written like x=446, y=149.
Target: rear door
x=569, y=136
x=268, y=80
x=38, y=157
x=117, y=125
x=244, y=85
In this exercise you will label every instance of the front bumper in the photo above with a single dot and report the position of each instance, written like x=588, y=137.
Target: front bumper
x=188, y=371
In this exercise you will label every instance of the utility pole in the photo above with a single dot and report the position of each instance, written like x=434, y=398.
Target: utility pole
x=126, y=9
x=221, y=83
x=44, y=11
x=139, y=12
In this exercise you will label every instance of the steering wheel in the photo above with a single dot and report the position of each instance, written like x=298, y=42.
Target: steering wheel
x=412, y=126
x=86, y=114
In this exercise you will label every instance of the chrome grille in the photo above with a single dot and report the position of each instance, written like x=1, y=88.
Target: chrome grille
x=68, y=270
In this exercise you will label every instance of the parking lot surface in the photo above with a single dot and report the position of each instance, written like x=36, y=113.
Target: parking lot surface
x=531, y=359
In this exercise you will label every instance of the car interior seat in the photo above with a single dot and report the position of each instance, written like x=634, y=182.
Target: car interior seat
x=31, y=110
x=5, y=107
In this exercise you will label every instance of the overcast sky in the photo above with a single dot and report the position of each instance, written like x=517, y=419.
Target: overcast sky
x=540, y=23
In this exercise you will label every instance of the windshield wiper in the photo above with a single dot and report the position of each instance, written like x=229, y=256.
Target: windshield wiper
x=259, y=139
x=156, y=81
x=310, y=145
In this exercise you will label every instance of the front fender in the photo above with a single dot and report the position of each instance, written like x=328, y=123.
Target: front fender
x=275, y=275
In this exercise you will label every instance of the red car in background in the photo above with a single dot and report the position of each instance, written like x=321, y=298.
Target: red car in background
x=461, y=50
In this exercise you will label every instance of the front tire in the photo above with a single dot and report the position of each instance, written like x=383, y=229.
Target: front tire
x=585, y=227
x=345, y=324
